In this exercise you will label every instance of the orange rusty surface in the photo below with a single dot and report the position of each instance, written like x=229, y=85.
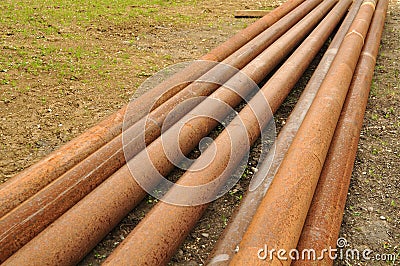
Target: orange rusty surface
x=32, y=216
x=34, y=178
x=322, y=225
x=76, y=241
x=224, y=50
x=154, y=243
x=280, y=217
x=226, y=245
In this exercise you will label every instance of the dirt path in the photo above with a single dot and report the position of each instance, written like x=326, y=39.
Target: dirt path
x=58, y=77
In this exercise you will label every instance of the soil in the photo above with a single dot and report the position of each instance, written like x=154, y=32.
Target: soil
x=42, y=107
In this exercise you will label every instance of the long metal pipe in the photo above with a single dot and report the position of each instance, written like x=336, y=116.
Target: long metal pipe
x=154, y=243
x=322, y=225
x=284, y=208
x=34, y=178
x=226, y=245
x=32, y=216
x=227, y=48
x=123, y=193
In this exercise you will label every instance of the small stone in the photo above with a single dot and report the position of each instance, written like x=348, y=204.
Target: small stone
x=382, y=217
x=205, y=234
x=237, y=249
x=254, y=169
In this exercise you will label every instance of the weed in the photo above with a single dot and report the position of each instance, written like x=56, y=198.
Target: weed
x=24, y=90
x=43, y=100
x=168, y=57
x=151, y=200
x=381, y=68
x=143, y=74
x=374, y=89
x=371, y=172
x=389, y=112
x=5, y=100
x=224, y=220
x=99, y=256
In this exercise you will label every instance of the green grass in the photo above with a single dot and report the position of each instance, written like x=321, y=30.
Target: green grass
x=48, y=17
x=33, y=25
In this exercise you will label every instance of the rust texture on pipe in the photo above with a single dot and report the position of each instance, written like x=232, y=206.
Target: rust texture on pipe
x=322, y=225
x=125, y=193
x=233, y=233
x=224, y=50
x=32, y=216
x=152, y=243
x=284, y=208
x=263, y=40
x=31, y=180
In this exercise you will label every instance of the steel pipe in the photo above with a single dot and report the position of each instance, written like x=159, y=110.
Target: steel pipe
x=32, y=216
x=152, y=243
x=322, y=225
x=121, y=190
x=31, y=180
x=227, y=243
x=221, y=52
x=284, y=208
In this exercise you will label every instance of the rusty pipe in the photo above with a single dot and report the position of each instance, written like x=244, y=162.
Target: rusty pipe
x=259, y=43
x=31, y=180
x=322, y=225
x=152, y=243
x=284, y=208
x=125, y=194
x=33, y=215
x=221, y=52
x=227, y=243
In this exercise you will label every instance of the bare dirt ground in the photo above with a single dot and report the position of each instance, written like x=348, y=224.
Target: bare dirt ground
x=61, y=76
